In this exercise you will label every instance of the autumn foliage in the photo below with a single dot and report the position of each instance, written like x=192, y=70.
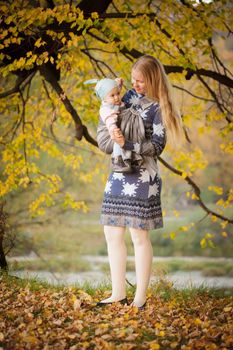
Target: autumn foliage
x=67, y=318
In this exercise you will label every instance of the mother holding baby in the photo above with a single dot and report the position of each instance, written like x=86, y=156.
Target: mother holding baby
x=133, y=199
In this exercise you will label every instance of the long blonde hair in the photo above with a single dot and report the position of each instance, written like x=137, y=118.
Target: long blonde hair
x=158, y=88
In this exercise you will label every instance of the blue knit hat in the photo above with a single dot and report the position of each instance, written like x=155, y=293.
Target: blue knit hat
x=103, y=86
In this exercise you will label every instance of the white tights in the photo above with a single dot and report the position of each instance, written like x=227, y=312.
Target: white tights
x=117, y=259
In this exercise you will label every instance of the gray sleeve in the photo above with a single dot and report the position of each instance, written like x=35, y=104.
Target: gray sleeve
x=105, y=143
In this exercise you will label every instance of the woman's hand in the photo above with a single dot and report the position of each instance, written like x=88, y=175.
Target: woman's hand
x=118, y=137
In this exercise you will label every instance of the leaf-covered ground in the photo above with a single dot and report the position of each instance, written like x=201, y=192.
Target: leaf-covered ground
x=66, y=318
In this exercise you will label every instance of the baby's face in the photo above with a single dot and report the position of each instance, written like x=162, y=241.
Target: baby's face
x=113, y=97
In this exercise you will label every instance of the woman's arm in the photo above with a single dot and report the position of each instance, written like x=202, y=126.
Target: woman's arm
x=104, y=140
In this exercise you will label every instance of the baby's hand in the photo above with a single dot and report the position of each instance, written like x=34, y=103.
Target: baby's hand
x=118, y=137
x=120, y=82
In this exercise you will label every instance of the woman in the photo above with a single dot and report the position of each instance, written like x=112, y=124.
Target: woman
x=134, y=200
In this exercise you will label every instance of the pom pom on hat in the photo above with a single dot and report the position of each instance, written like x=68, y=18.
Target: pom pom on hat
x=103, y=86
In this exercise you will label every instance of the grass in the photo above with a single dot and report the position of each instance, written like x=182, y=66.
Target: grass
x=221, y=268
x=53, y=264
x=162, y=288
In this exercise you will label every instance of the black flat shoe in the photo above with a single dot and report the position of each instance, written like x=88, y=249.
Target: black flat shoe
x=142, y=307
x=122, y=301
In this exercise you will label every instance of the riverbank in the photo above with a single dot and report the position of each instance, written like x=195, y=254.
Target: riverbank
x=179, y=271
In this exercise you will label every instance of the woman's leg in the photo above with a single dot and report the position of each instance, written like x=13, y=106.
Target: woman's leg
x=143, y=263
x=117, y=255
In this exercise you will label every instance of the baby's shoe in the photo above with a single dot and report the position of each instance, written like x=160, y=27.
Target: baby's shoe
x=136, y=164
x=121, y=166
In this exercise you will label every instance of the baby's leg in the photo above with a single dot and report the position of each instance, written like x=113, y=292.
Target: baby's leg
x=117, y=151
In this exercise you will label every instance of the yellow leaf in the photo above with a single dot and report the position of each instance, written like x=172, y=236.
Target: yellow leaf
x=211, y=346
x=227, y=309
x=224, y=234
x=158, y=325
x=172, y=235
x=39, y=42
x=94, y=15
x=203, y=242
x=194, y=196
x=73, y=298
x=224, y=224
x=154, y=346
x=214, y=218
x=184, y=175
x=39, y=321
x=197, y=321
x=216, y=189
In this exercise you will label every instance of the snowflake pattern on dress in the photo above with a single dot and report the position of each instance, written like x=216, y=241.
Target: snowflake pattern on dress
x=144, y=114
x=134, y=100
x=144, y=176
x=108, y=187
x=158, y=129
x=153, y=190
x=118, y=176
x=129, y=189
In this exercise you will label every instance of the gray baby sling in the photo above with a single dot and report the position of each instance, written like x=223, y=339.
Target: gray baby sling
x=132, y=127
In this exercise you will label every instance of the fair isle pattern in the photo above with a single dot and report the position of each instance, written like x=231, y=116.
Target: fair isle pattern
x=133, y=199
x=131, y=213
x=134, y=222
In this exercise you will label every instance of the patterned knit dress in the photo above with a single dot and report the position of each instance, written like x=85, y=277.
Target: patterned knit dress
x=134, y=199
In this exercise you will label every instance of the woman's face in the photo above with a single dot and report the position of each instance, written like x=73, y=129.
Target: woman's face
x=138, y=82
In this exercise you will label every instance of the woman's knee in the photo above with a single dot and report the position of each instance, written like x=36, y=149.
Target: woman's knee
x=139, y=237
x=114, y=234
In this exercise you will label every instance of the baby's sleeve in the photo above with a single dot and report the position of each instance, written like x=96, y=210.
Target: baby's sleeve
x=109, y=117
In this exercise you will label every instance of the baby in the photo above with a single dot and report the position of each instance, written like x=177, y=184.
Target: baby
x=108, y=91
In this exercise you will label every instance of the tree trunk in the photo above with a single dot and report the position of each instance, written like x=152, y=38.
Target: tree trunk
x=3, y=262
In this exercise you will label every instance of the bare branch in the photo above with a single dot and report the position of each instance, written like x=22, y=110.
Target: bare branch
x=191, y=94
x=79, y=127
x=54, y=116
x=26, y=79
x=74, y=146
x=23, y=130
x=197, y=192
x=50, y=77
x=98, y=62
x=220, y=106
